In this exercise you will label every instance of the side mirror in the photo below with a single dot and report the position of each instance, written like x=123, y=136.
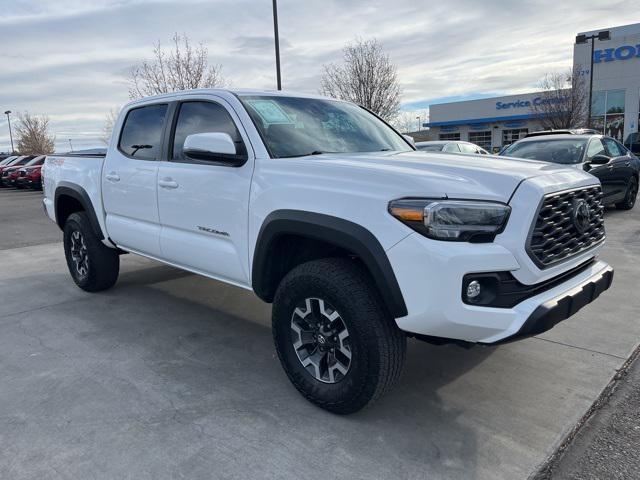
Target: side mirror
x=599, y=160
x=213, y=147
x=410, y=139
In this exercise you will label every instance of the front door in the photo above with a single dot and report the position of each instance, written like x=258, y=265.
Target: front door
x=129, y=181
x=204, y=205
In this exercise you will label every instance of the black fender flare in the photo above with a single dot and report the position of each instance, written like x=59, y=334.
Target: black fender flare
x=333, y=230
x=80, y=194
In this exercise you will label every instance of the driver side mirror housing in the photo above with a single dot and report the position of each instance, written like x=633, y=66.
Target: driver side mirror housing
x=599, y=160
x=213, y=147
x=410, y=139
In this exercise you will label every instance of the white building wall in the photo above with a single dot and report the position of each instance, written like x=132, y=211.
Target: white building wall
x=621, y=72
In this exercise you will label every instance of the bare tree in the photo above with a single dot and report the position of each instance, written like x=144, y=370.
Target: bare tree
x=407, y=121
x=183, y=67
x=33, y=135
x=366, y=77
x=563, y=102
x=109, y=122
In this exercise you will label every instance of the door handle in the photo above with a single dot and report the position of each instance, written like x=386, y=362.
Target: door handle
x=628, y=164
x=112, y=177
x=168, y=183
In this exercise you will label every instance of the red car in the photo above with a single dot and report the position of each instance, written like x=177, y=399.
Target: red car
x=6, y=169
x=30, y=177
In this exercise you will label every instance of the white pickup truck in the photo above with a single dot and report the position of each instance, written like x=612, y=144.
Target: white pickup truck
x=320, y=207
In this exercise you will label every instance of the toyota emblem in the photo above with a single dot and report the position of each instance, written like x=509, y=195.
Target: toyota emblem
x=581, y=215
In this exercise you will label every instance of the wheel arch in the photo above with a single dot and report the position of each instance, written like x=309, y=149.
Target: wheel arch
x=71, y=198
x=345, y=236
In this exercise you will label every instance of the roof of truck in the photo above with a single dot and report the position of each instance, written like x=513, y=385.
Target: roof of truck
x=232, y=91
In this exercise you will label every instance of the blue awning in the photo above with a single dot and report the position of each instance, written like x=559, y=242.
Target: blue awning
x=471, y=121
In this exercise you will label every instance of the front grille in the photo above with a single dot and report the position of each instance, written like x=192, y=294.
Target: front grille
x=555, y=236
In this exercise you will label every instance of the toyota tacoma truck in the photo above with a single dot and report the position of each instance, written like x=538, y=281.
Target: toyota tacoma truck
x=321, y=208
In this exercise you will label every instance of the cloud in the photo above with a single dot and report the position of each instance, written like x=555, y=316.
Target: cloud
x=69, y=59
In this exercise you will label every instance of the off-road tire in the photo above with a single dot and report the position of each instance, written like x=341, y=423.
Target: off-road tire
x=377, y=345
x=102, y=264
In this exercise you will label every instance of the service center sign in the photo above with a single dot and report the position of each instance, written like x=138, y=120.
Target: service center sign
x=624, y=52
x=528, y=103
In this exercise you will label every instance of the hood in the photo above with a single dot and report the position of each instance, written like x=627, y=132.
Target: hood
x=447, y=175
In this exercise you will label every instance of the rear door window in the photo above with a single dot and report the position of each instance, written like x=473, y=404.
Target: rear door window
x=141, y=135
x=613, y=148
x=467, y=148
x=451, y=147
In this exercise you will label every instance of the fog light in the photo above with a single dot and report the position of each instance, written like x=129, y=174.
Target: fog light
x=473, y=289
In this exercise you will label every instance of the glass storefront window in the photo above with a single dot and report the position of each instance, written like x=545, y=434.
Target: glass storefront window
x=510, y=136
x=607, y=112
x=482, y=139
x=449, y=136
x=598, y=102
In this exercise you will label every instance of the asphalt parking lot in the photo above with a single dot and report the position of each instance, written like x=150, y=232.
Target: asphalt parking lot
x=170, y=375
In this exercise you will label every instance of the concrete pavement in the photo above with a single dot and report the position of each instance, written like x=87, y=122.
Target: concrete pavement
x=170, y=375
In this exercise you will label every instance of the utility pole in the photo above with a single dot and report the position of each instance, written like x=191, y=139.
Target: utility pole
x=7, y=113
x=277, y=40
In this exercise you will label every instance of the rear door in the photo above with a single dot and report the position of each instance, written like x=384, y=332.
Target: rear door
x=621, y=167
x=204, y=204
x=129, y=181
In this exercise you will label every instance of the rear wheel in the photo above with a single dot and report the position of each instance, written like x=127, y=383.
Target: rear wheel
x=93, y=265
x=630, y=197
x=337, y=343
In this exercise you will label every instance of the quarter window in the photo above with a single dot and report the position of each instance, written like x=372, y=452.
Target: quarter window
x=204, y=117
x=142, y=132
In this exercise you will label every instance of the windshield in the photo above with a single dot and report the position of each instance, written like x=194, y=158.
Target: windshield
x=431, y=148
x=566, y=151
x=294, y=127
x=35, y=161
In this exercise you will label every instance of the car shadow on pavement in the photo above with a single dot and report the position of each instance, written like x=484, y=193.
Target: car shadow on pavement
x=216, y=341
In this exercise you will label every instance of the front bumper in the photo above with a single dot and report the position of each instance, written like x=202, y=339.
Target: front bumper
x=430, y=274
x=557, y=309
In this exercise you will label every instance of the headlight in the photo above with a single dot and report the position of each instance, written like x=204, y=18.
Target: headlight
x=453, y=220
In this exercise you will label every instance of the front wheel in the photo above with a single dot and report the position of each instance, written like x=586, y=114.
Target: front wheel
x=93, y=265
x=630, y=197
x=336, y=341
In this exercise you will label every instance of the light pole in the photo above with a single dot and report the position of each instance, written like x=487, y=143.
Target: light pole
x=419, y=122
x=7, y=113
x=277, y=40
x=603, y=35
x=71, y=145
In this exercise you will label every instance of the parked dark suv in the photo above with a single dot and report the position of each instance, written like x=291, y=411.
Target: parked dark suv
x=604, y=157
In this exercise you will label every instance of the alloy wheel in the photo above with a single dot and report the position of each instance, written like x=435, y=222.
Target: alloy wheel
x=79, y=253
x=321, y=340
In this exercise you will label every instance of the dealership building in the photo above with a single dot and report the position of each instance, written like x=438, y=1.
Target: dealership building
x=494, y=122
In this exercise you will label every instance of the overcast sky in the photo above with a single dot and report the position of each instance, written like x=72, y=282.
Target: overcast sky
x=70, y=59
